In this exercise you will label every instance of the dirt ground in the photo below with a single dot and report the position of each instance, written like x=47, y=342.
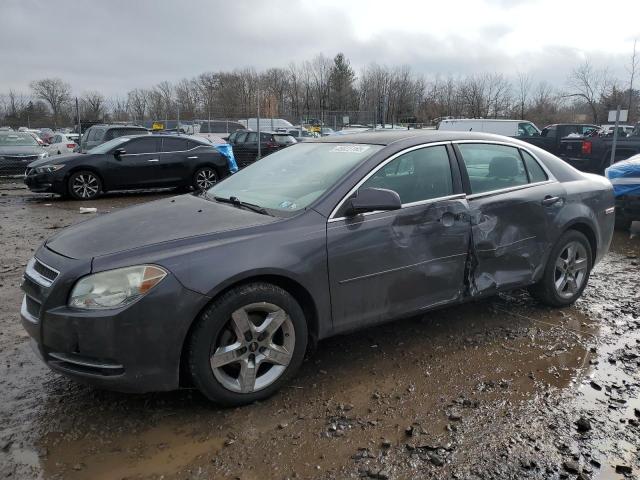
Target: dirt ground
x=498, y=389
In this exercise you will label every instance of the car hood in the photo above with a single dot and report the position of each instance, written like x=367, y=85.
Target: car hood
x=152, y=223
x=17, y=150
x=58, y=159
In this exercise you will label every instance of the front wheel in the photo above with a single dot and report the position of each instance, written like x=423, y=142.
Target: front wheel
x=204, y=178
x=567, y=271
x=84, y=185
x=247, y=344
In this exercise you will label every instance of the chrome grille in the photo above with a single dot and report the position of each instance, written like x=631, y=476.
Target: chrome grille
x=44, y=270
x=41, y=273
x=21, y=158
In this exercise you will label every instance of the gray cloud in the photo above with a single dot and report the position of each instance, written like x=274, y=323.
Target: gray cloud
x=117, y=45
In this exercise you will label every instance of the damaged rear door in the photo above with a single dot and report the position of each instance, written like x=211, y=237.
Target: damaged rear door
x=512, y=202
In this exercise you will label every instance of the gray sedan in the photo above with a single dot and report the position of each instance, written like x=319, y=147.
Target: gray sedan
x=227, y=291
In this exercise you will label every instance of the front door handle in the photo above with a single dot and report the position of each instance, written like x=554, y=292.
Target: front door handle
x=550, y=200
x=448, y=219
x=153, y=160
x=192, y=158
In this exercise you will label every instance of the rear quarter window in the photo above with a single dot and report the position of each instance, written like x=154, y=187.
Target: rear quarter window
x=536, y=173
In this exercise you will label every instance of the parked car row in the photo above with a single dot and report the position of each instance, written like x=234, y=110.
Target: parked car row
x=17, y=150
x=130, y=162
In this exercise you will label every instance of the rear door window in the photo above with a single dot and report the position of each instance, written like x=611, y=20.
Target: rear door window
x=492, y=167
x=536, y=173
x=143, y=145
x=175, y=144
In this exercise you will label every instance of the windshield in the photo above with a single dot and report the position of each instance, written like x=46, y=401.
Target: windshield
x=18, y=140
x=105, y=147
x=292, y=178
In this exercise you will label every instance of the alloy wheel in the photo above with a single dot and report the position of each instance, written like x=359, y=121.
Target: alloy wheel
x=571, y=270
x=85, y=185
x=254, y=349
x=206, y=178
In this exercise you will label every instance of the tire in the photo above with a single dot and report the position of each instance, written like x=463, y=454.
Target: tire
x=565, y=278
x=84, y=185
x=232, y=360
x=204, y=178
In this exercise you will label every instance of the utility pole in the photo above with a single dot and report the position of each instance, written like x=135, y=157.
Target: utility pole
x=79, y=122
x=258, y=123
x=615, y=137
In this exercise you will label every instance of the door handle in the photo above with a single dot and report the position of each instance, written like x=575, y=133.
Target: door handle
x=549, y=200
x=153, y=160
x=192, y=158
x=448, y=219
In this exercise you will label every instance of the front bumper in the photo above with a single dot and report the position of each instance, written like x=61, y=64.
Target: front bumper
x=132, y=349
x=44, y=182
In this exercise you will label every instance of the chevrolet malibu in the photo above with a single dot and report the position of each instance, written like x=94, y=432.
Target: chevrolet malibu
x=226, y=291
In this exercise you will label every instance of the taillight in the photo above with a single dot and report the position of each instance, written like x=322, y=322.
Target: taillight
x=71, y=145
x=272, y=144
x=586, y=147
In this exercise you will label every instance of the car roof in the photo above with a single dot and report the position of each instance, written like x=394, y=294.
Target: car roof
x=413, y=137
x=197, y=139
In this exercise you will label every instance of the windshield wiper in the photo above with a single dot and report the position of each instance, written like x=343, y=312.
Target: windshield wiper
x=249, y=206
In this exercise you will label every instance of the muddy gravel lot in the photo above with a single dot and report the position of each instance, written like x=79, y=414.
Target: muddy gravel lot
x=498, y=389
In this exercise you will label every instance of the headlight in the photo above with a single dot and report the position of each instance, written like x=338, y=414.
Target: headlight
x=48, y=168
x=44, y=155
x=115, y=288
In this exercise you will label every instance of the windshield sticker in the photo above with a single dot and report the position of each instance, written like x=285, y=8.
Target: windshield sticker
x=350, y=149
x=288, y=205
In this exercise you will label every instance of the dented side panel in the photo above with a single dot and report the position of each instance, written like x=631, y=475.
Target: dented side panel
x=511, y=235
x=387, y=264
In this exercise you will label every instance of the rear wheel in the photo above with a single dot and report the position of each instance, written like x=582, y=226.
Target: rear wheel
x=567, y=271
x=204, y=178
x=247, y=344
x=84, y=185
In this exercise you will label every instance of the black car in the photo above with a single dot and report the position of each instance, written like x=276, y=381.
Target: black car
x=17, y=151
x=127, y=163
x=225, y=291
x=245, y=145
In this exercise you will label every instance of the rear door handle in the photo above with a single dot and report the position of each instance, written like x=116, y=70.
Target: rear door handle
x=549, y=200
x=153, y=160
x=191, y=158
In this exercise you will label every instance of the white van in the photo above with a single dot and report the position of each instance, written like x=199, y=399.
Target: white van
x=270, y=124
x=508, y=128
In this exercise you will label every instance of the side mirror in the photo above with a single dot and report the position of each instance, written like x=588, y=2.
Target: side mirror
x=372, y=199
x=118, y=152
x=225, y=138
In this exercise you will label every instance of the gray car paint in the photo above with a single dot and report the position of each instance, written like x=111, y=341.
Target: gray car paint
x=346, y=272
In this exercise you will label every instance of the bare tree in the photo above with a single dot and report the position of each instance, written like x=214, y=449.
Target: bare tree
x=137, y=100
x=590, y=84
x=93, y=105
x=523, y=85
x=55, y=92
x=632, y=68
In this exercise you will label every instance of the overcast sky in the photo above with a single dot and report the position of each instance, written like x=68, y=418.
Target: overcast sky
x=116, y=45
